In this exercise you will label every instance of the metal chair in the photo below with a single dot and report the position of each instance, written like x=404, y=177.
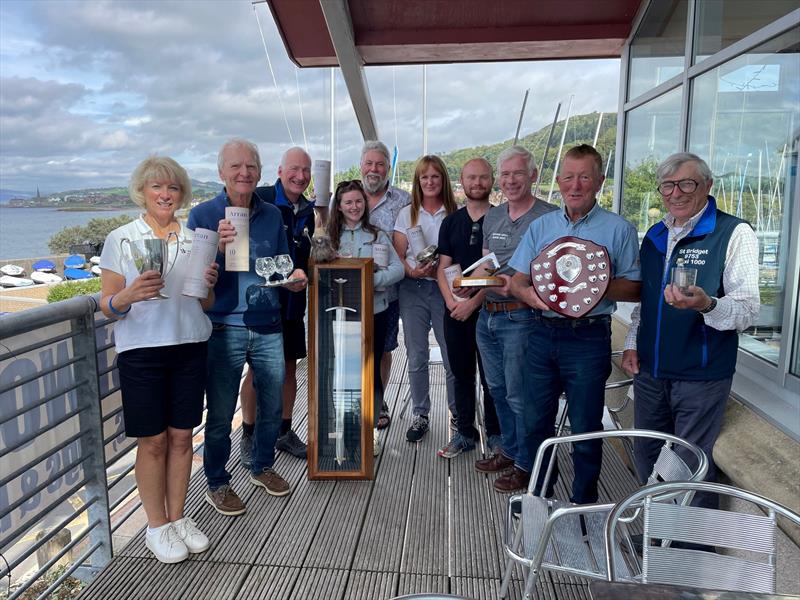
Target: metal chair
x=754, y=535
x=545, y=533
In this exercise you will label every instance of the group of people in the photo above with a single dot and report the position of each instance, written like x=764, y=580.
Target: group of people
x=681, y=346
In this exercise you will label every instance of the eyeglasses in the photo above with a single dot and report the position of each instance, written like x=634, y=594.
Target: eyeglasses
x=475, y=234
x=687, y=186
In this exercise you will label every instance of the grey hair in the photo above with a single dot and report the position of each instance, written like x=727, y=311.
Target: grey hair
x=371, y=145
x=676, y=161
x=515, y=151
x=285, y=155
x=238, y=143
x=159, y=168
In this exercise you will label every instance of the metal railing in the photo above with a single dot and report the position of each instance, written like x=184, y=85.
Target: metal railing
x=63, y=451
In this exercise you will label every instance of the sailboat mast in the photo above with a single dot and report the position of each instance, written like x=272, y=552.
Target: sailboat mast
x=560, y=148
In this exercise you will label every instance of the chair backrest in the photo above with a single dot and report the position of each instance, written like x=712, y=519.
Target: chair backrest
x=668, y=467
x=751, y=536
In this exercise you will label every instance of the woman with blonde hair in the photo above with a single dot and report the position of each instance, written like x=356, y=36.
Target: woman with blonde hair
x=161, y=353
x=421, y=302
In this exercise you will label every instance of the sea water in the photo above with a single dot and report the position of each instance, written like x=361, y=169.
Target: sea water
x=24, y=232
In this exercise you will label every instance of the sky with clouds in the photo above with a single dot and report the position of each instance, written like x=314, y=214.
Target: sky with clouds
x=89, y=88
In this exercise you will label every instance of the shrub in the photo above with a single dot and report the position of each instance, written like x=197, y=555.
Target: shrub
x=70, y=289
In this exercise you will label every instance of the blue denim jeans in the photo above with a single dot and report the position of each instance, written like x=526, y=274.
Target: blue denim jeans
x=228, y=349
x=503, y=342
x=576, y=360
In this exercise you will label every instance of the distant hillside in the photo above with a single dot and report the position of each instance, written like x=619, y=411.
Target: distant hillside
x=201, y=190
x=6, y=195
x=580, y=130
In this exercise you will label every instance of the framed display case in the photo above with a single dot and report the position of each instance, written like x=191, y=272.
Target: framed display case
x=340, y=370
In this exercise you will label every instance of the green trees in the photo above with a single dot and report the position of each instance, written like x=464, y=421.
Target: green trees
x=94, y=232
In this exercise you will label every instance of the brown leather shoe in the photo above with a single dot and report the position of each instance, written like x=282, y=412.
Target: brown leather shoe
x=493, y=464
x=515, y=481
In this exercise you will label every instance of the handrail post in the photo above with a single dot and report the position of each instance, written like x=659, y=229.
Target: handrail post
x=91, y=422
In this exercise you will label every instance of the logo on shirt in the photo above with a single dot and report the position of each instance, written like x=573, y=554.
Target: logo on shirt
x=693, y=256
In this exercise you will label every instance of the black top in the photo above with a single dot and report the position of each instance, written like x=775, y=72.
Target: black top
x=461, y=238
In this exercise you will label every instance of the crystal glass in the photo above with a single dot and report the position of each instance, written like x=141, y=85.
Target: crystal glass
x=265, y=267
x=284, y=265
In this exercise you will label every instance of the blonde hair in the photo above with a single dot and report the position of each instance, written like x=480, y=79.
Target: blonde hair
x=448, y=199
x=159, y=168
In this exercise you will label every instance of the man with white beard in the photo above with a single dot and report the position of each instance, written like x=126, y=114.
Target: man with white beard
x=385, y=202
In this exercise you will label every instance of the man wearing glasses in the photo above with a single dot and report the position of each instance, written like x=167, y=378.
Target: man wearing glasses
x=682, y=344
x=385, y=202
x=461, y=243
x=504, y=323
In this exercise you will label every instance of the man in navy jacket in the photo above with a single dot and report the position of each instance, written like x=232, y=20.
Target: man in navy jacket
x=246, y=322
x=682, y=345
x=294, y=175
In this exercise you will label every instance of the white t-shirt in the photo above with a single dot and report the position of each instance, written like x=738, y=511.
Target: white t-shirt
x=430, y=224
x=176, y=320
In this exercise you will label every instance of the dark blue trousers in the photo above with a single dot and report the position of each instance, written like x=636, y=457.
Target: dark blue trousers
x=692, y=410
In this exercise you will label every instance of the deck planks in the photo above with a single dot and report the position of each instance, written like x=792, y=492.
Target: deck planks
x=424, y=524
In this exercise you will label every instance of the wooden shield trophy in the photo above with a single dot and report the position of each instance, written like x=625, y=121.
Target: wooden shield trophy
x=571, y=275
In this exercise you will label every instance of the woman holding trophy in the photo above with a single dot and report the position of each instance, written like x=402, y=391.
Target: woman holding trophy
x=352, y=235
x=161, y=338
x=416, y=232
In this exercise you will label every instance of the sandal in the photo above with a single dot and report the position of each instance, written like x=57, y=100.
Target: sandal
x=384, y=419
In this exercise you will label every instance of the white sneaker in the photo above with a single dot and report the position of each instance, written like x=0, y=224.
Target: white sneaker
x=166, y=545
x=377, y=444
x=194, y=539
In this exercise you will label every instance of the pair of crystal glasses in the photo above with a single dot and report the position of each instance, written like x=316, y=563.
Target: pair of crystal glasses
x=281, y=264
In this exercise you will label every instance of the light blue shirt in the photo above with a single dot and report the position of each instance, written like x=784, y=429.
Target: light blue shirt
x=599, y=226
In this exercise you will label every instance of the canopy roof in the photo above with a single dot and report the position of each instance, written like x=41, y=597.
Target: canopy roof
x=386, y=32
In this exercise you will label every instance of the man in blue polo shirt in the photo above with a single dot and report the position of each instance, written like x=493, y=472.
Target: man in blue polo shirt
x=246, y=321
x=574, y=355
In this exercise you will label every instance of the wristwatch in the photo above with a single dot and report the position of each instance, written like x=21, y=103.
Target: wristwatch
x=711, y=306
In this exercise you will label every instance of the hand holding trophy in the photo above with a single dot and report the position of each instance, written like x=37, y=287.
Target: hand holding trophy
x=151, y=254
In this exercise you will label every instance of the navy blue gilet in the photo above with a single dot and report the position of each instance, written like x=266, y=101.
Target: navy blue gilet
x=676, y=343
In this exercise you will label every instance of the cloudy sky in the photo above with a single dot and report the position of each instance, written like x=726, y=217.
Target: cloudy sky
x=89, y=88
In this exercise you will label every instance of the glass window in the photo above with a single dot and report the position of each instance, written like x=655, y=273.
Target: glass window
x=744, y=117
x=720, y=23
x=658, y=48
x=651, y=134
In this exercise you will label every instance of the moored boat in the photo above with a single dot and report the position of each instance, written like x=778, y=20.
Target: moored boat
x=44, y=277
x=72, y=274
x=10, y=281
x=44, y=266
x=74, y=261
x=12, y=270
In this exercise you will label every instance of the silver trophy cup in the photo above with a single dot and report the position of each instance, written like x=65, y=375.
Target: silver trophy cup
x=151, y=254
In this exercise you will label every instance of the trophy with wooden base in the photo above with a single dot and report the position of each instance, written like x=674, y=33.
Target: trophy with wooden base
x=487, y=279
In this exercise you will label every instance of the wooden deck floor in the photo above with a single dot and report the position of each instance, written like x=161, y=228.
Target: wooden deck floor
x=424, y=524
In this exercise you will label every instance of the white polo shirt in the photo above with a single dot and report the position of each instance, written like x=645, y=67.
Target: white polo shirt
x=430, y=224
x=176, y=320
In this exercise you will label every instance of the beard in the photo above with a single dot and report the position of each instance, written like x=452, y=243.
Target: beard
x=481, y=196
x=374, y=183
